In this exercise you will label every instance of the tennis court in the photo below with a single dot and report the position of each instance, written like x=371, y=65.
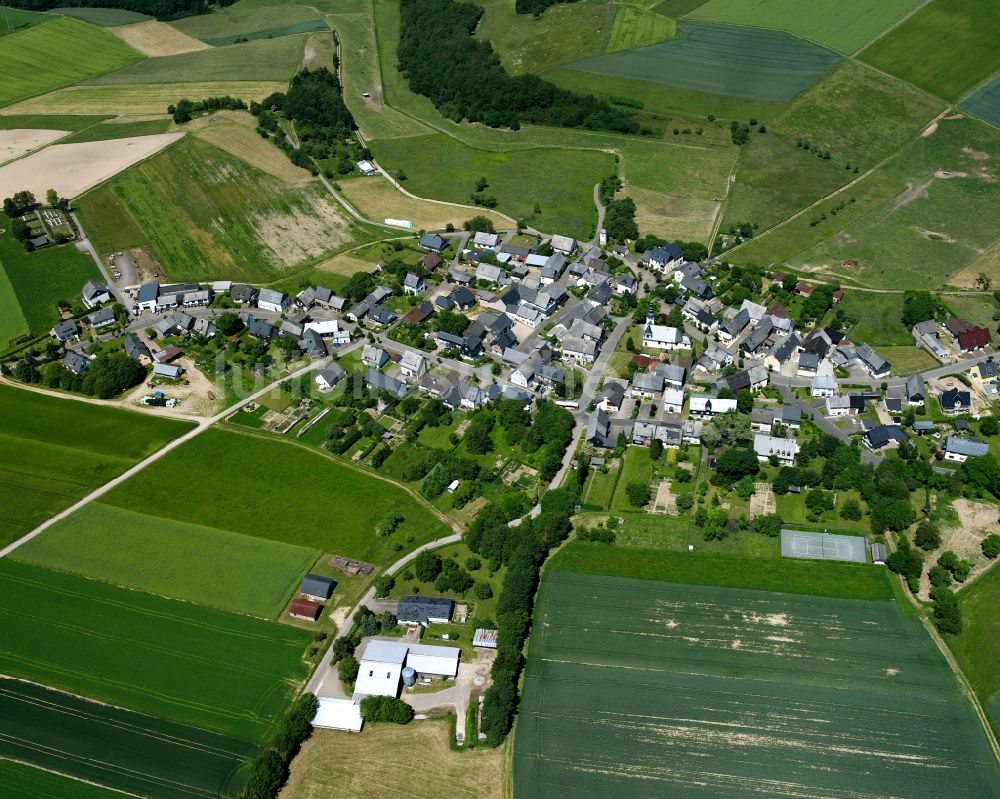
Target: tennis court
x=823, y=546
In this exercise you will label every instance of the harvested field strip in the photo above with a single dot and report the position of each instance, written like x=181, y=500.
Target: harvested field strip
x=157, y=39
x=15, y=142
x=985, y=103
x=267, y=59
x=234, y=132
x=638, y=27
x=237, y=23
x=945, y=48
x=116, y=748
x=282, y=476
x=765, y=65
x=173, y=559
x=120, y=130
x=195, y=665
x=55, y=54
x=765, y=694
x=842, y=25
x=816, y=578
x=19, y=781
x=140, y=99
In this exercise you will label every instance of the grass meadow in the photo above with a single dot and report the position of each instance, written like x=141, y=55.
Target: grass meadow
x=114, y=748
x=977, y=648
x=263, y=59
x=282, y=492
x=119, y=130
x=985, y=102
x=221, y=671
x=42, y=278
x=839, y=25
x=70, y=122
x=54, y=451
x=19, y=19
x=105, y=17
x=13, y=323
x=560, y=181
x=660, y=689
x=639, y=27
x=56, y=53
x=204, y=213
x=945, y=48
x=249, y=23
x=174, y=559
x=765, y=65
x=19, y=781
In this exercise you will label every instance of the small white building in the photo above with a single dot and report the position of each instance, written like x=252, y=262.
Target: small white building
x=381, y=668
x=661, y=337
x=673, y=400
x=823, y=386
x=338, y=714
x=271, y=300
x=367, y=168
x=330, y=329
x=413, y=364
x=703, y=407
x=838, y=406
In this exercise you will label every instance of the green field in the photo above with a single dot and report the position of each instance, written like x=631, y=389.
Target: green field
x=18, y=781
x=105, y=17
x=815, y=578
x=173, y=559
x=945, y=48
x=195, y=665
x=933, y=228
x=15, y=19
x=54, y=451
x=879, y=318
x=42, y=278
x=13, y=323
x=561, y=181
x=116, y=748
x=57, y=53
x=250, y=23
x=119, y=130
x=70, y=122
x=639, y=27
x=977, y=649
x=765, y=65
x=841, y=25
x=275, y=483
x=653, y=689
x=204, y=213
x=265, y=59
x=985, y=102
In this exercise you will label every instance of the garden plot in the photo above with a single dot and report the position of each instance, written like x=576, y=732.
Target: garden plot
x=71, y=169
x=665, y=500
x=763, y=501
x=765, y=695
x=15, y=143
x=976, y=520
x=157, y=39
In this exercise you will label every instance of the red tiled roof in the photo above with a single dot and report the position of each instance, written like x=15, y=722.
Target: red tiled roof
x=974, y=338
x=305, y=608
x=804, y=288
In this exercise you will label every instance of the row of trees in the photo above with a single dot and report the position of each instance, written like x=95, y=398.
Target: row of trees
x=161, y=9
x=465, y=79
x=108, y=375
x=185, y=110
x=269, y=769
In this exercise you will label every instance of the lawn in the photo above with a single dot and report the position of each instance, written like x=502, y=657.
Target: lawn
x=105, y=17
x=282, y=492
x=650, y=688
x=747, y=62
x=600, y=488
x=907, y=360
x=639, y=27
x=259, y=226
x=677, y=533
x=40, y=279
x=334, y=765
x=55, y=451
x=57, y=53
x=816, y=578
x=173, y=559
x=111, y=747
x=250, y=23
x=264, y=59
x=945, y=48
x=18, y=781
x=637, y=468
x=985, y=102
x=560, y=182
x=191, y=664
x=842, y=25
x=931, y=230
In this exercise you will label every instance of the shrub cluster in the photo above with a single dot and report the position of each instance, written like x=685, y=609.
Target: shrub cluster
x=269, y=769
x=376, y=709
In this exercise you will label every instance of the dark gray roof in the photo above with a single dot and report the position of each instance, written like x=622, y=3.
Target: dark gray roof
x=314, y=585
x=420, y=609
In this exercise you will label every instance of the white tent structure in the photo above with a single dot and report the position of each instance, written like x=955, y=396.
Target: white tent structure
x=338, y=714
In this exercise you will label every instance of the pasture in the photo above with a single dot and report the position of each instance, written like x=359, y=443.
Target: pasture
x=121, y=130
x=977, y=648
x=54, y=451
x=13, y=323
x=376, y=199
x=638, y=27
x=337, y=765
x=945, y=48
x=115, y=748
x=259, y=225
x=560, y=181
x=73, y=122
x=175, y=559
x=985, y=102
x=878, y=318
x=761, y=64
x=195, y=665
x=811, y=577
x=283, y=479
x=157, y=39
x=72, y=169
x=841, y=26
x=56, y=53
x=104, y=17
x=140, y=99
x=250, y=23
x=263, y=60
x=16, y=19
x=18, y=781
x=765, y=694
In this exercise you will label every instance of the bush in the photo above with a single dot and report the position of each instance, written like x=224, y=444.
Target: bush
x=386, y=709
x=349, y=668
x=851, y=509
x=991, y=546
x=927, y=537
x=484, y=591
x=769, y=525
x=638, y=493
x=947, y=613
x=685, y=501
x=601, y=535
x=427, y=566
x=383, y=585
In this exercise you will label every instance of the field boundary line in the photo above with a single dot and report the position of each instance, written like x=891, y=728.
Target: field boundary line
x=890, y=29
